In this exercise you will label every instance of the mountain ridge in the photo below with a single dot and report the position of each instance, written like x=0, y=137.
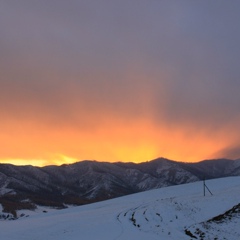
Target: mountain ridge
x=91, y=181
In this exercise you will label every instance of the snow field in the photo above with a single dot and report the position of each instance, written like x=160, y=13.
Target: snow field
x=157, y=214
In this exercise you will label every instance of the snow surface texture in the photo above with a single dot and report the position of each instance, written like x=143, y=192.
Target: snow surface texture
x=177, y=212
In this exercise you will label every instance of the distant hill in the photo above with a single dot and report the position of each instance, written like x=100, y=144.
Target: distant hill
x=91, y=181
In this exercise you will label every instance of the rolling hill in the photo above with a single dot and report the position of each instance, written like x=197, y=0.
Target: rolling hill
x=26, y=187
x=176, y=212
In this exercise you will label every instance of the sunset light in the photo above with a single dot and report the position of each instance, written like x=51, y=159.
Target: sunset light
x=118, y=82
x=126, y=141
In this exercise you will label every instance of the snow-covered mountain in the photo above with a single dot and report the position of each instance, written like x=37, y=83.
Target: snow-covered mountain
x=169, y=213
x=24, y=187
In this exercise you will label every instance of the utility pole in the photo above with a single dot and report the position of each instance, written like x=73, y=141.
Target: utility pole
x=204, y=193
x=205, y=187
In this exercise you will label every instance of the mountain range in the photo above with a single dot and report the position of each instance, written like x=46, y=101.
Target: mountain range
x=25, y=187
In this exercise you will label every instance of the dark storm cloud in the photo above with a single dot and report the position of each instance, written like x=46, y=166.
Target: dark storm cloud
x=231, y=152
x=181, y=57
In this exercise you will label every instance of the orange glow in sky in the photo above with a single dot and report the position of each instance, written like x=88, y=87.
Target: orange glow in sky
x=127, y=141
x=118, y=81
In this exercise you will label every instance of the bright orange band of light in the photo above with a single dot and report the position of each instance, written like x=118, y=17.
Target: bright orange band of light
x=127, y=141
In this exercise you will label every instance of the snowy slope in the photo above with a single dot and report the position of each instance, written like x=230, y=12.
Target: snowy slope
x=176, y=212
x=91, y=181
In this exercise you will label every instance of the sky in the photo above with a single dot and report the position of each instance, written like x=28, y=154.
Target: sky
x=119, y=80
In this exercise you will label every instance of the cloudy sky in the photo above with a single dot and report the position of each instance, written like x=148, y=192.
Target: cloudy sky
x=119, y=80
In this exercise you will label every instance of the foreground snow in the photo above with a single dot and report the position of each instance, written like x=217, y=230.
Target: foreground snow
x=178, y=212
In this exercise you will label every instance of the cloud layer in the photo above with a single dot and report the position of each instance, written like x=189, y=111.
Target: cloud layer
x=129, y=81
